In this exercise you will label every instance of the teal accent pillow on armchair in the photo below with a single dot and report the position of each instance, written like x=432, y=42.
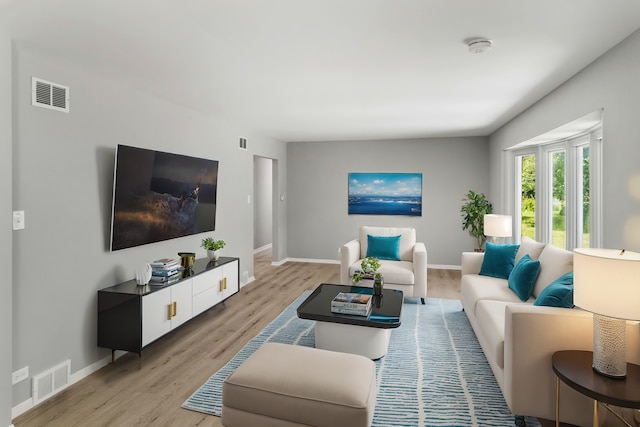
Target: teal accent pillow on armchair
x=384, y=247
x=523, y=277
x=498, y=260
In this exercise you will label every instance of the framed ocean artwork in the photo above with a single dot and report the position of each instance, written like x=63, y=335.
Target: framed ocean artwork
x=384, y=193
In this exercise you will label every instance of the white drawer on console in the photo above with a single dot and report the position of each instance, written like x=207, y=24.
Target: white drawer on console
x=207, y=280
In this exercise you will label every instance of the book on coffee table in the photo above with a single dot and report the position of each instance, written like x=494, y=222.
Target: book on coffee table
x=352, y=303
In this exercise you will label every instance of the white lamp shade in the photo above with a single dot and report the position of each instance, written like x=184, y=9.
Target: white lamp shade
x=607, y=282
x=497, y=225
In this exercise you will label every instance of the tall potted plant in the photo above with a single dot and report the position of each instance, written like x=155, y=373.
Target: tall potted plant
x=473, y=210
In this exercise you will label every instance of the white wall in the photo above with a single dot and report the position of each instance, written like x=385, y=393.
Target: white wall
x=318, y=221
x=610, y=83
x=6, y=236
x=263, y=202
x=63, y=177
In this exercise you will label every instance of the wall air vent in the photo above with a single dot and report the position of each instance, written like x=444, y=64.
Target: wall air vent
x=51, y=382
x=49, y=95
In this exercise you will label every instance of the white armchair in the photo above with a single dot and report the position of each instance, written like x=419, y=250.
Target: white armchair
x=408, y=274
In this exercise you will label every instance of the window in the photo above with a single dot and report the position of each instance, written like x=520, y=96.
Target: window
x=557, y=192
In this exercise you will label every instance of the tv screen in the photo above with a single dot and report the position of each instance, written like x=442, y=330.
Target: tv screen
x=159, y=196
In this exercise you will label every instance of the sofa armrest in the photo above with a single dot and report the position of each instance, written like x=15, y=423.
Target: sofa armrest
x=349, y=253
x=419, y=270
x=532, y=335
x=471, y=262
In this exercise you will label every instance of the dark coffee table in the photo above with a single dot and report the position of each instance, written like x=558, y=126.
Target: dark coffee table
x=368, y=336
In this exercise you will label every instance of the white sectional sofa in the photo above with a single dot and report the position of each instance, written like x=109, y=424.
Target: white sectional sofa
x=519, y=338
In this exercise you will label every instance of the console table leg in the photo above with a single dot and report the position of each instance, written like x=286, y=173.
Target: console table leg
x=113, y=355
x=557, y=402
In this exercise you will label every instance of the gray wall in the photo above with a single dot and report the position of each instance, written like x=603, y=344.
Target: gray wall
x=63, y=175
x=6, y=236
x=611, y=83
x=263, y=202
x=318, y=220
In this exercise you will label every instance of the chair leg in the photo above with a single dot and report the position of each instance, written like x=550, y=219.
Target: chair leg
x=422, y=299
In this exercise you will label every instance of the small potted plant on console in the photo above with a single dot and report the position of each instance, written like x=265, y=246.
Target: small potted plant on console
x=213, y=247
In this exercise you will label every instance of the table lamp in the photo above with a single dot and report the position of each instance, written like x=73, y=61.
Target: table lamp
x=607, y=283
x=497, y=226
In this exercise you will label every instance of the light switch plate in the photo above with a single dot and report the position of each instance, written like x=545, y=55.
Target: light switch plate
x=18, y=220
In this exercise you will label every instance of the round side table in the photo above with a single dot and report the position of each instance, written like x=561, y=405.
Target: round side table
x=573, y=368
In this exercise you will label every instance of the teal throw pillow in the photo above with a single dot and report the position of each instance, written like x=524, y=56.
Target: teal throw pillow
x=523, y=277
x=559, y=293
x=384, y=247
x=498, y=260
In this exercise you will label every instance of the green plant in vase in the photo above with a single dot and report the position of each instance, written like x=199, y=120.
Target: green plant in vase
x=369, y=267
x=213, y=247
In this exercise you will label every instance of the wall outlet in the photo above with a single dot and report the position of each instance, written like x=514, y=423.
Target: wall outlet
x=20, y=375
x=18, y=220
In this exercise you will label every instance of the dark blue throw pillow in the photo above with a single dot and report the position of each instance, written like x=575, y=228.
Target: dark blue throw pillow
x=523, y=277
x=558, y=294
x=383, y=247
x=498, y=260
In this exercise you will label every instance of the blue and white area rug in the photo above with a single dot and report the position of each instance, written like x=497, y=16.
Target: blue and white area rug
x=434, y=374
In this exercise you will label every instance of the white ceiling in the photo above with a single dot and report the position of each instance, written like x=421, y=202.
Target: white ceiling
x=309, y=70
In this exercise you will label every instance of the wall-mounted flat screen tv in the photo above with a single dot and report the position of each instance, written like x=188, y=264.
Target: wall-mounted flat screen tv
x=159, y=196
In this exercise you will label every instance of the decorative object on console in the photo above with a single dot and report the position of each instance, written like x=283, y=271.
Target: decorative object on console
x=187, y=259
x=385, y=194
x=473, y=210
x=143, y=274
x=497, y=227
x=607, y=283
x=213, y=247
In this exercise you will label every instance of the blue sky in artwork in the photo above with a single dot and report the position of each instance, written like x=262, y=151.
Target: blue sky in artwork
x=385, y=184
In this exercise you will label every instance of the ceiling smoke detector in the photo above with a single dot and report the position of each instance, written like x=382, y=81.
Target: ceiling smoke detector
x=479, y=45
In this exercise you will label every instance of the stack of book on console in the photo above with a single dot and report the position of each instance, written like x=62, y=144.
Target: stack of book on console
x=352, y=303
x=165, y=271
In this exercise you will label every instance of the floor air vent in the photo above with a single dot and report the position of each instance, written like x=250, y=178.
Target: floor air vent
x=49, y=95
x=51, y=382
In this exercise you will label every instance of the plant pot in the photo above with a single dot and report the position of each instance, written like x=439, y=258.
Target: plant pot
x=213, y=255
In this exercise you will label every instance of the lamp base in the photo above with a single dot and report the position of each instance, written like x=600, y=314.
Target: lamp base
x=609, y=346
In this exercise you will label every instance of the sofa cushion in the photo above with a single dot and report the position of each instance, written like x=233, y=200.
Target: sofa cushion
x=407, y=239
x=383, y=247
x=554, y=262
x=398, y=272
x=498, y=260
x=475, y=288
x=531, y=247
x=558, y=294
x=523, y=277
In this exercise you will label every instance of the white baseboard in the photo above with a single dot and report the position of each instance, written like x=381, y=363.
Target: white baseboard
x=311, y=260
x=333, y=261
x=445, y=267
x=23, y=407
x=249, y=280
x=262, y=248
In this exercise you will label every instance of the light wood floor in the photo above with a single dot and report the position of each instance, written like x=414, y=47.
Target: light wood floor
x=173, y=367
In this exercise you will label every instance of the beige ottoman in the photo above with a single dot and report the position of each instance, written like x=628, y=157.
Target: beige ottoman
x=289, y=385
